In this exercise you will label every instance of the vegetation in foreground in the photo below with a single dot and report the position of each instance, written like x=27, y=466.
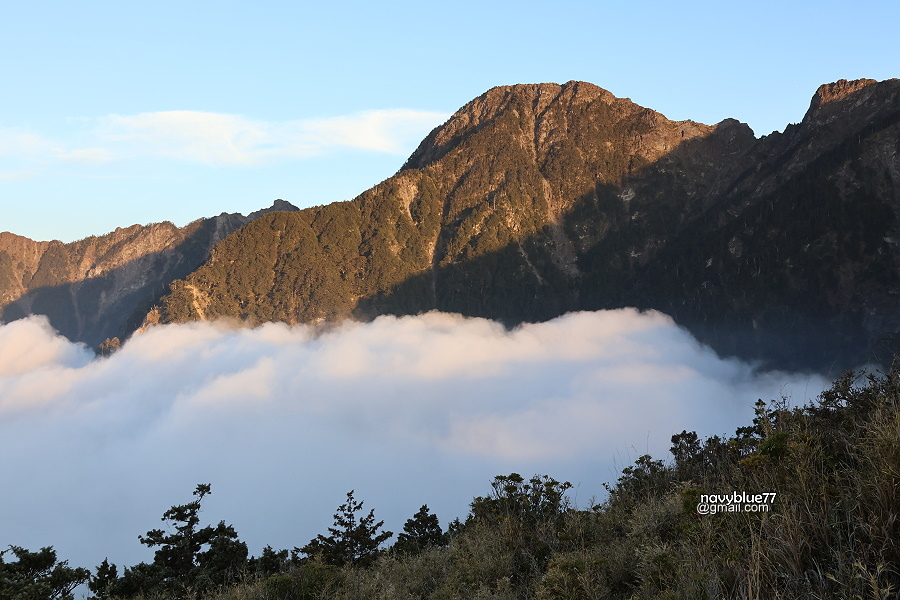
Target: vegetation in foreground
x=832, y=531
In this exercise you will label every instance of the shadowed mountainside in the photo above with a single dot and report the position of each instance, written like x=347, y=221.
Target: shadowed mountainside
x=503, y=168
x=533, y=200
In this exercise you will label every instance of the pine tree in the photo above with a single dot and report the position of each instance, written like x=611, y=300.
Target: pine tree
x=38, y=575
x=421, y=532
x=353, y=540
x=105, y=579
x=189, y=558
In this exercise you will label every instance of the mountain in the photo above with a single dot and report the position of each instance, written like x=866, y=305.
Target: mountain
x=495, y=183
x=102, y=287
x=534, y=200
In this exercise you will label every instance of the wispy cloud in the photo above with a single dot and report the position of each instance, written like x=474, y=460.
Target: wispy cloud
x=18, y=142
x=18, y=175
x=284, y=420
x=387, y=131
x=201, y=137
x=212, y=139
x=87, y=156
x=230, y=140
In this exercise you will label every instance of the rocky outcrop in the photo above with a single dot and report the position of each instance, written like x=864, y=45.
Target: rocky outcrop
x=840, y=89
x=20, y=258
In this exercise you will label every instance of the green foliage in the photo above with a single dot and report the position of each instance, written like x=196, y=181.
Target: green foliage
x=535, y=502
x=527, y=517
x=38, y=576
x=645, y=480
x=307, y=266
x=354, y=540
x=421, y=532
x=54, y=267
x=818, y=459
x=189, y=559
x=307, y=581
x=269, y=562
x=696, y=458
x=8, y=273
x=534, y=204
x=103, y=583
x=829, y=533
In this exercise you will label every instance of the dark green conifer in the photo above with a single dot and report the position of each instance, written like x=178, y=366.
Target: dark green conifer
x=38, y=575
x=353, y=540
x=421, y=532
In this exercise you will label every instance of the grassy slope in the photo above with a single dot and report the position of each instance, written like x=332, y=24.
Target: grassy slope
x=832, y=532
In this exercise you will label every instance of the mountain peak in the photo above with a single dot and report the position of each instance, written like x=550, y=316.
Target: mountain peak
x=278, y=205
x=547, y=112
x=829, y=92
x=863, y=100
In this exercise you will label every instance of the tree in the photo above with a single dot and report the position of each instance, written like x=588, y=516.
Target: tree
x=269, y=562
x=38, y=576
x=104, y=581
x=538, y=501
x=190, y=557
x=526, y=516
x=646, y=479
x=353, y=540
x=421, y=532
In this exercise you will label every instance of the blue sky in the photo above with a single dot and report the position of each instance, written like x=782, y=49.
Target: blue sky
x=118, y=113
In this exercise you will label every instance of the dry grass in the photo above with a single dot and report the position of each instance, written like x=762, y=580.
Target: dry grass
x=832, y=532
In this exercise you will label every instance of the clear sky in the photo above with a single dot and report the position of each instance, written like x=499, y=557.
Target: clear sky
x=116, y=113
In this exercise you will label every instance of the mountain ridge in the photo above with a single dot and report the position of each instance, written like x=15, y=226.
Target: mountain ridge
x=100, y=287
x=537, y=199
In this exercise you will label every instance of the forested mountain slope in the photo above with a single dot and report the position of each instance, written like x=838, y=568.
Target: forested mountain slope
x=534, y=200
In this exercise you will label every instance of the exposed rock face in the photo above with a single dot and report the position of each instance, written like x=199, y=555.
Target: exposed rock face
x=101, y=287
x=838, y=90
x=20, y=258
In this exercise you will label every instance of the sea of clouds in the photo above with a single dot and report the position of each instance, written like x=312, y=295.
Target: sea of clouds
x=283, y=421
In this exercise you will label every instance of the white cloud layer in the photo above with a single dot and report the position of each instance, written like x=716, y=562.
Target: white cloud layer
x=283, y=421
